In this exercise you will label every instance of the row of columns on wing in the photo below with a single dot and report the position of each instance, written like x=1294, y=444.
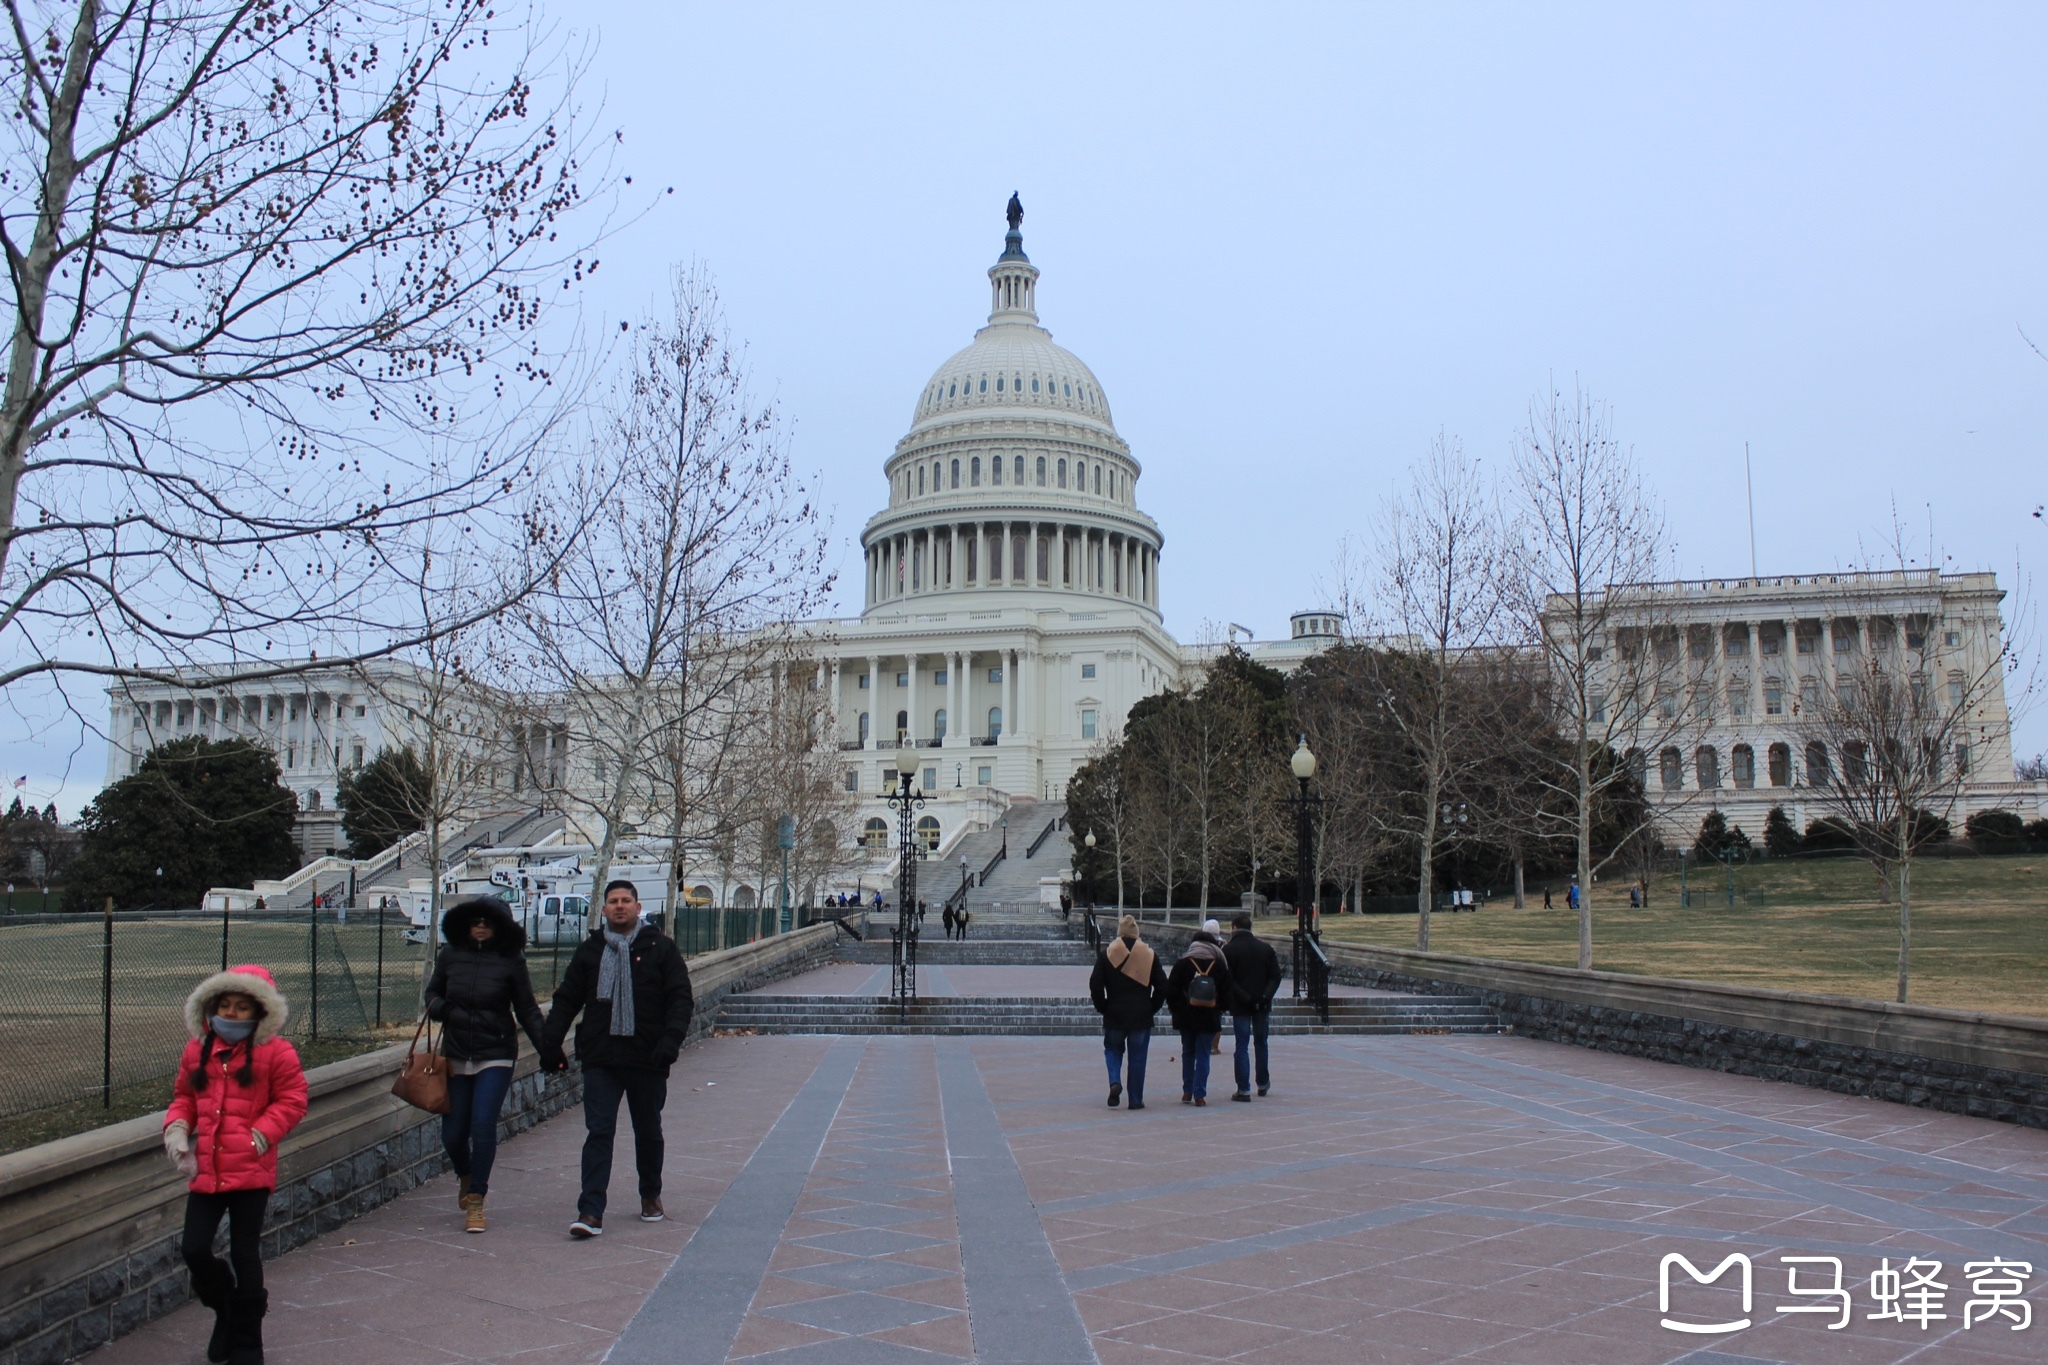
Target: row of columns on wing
x=950, y=558
x=1772, y=671
x=311, y=731
x=942, y=700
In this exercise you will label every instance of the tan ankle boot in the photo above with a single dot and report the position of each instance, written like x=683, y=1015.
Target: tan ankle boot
x=473, y=1213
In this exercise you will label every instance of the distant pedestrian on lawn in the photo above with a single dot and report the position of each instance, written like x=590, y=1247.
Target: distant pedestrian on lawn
x=1255, y=968
x=483, y=996
x=239, y=1091
x=1198, y=990
x=629, y=983
x=1546, y=896
x=1571, y=896
x=1127, y=987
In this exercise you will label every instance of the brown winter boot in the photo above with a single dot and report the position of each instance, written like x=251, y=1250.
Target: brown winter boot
x=462, y=1192
x=473, y=1213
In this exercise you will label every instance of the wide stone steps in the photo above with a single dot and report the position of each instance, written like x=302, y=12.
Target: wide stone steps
x=975, y=952
x=1073, y=1016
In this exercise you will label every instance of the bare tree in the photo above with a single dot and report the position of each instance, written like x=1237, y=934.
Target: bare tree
x=1587, y=539
x=258, y=256
x=1441, y=588
x=1891, y=740
x=703, y=538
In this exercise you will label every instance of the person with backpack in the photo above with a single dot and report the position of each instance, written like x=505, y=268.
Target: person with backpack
x=1255, y=968
x=483, y=997
x=1127, y=988
x=239, y=1091
x=1198, y=990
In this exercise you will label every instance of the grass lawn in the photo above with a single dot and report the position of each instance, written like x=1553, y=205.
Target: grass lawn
x=1980, y=931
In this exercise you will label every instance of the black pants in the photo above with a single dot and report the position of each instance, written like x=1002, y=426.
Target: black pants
x=644, y=1092
x=244, y=1210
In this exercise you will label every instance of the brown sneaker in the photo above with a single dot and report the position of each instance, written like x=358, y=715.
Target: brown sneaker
x=651, y=1210
x=462, y=1192
x=473, y=1213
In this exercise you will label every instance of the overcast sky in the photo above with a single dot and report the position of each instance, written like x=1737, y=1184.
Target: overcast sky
x=1295, y=242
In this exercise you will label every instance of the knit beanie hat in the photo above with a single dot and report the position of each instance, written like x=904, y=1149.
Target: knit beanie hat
x=1127, y=927
x=1210, y=926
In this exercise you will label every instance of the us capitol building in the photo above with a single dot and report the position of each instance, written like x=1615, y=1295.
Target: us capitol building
x=1011, y=619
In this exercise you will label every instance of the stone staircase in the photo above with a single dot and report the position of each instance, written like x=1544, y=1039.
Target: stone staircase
x=999, y=943
x=1073, y=1016
x=1011, y=892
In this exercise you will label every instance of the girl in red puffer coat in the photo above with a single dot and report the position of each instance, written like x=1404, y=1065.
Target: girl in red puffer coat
x=240, y=1089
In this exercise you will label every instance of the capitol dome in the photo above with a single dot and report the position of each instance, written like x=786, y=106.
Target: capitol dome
x=1012, y=477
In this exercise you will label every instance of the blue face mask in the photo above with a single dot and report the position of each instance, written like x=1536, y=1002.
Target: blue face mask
x=232, y=1030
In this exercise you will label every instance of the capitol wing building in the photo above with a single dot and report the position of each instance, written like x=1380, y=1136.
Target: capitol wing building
x=1010, y=620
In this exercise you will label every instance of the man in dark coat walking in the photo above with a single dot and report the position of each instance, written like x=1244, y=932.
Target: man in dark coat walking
x=1255, y=967
x=629, y=983
x=1128, y=986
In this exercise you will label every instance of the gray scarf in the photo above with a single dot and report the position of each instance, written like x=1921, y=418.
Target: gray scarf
x=615, y=980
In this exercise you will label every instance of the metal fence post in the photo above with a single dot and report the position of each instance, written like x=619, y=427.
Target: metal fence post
x=107, y=1009
x=313, y=959
x=380, y=962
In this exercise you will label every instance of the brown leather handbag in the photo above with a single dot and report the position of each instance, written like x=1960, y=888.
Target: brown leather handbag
x=423, y=1080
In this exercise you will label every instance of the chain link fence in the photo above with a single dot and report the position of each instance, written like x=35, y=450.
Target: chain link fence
x=91, y=1005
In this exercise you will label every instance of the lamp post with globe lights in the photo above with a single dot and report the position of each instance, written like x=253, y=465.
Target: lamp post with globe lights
x=1311, y=971
x=905, y=801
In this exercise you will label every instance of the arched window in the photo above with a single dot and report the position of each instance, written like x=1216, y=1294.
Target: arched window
x=939, y=724
x=863, y=727
x=999, y=383
x=928, y=833
x=1638, y=767
x=951, y=389
x=1745, y=766
x=984, y=383
x=1818, y=773
x=995, y=722
x=1018, y=470
x=1063, y=474
x=1707, y=767
x=1098, y=481
x=1671, y=769
x=1856, y=763
x=974, y=472
x=743, y=898
x=1069, y=388
x=1780, y=765
x=874, y=835
x=1041, y=472
x=995, y=470
x=902, y=726
x=1034, y=383
x=920, y=478
x=956, y=474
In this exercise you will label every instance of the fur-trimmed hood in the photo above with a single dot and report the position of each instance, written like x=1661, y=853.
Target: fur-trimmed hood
x=507, y=936
x=249, y=979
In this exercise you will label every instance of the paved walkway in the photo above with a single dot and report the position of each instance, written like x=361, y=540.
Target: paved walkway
x=1399, y=1199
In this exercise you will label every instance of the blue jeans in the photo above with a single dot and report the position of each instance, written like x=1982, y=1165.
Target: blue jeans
x=1251, y=1035
x=1116, y=1043
x=1194, y=1062
x=644, y=1093
x=469, y=1130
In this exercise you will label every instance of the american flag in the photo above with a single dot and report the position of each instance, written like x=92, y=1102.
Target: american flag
x=20, y=782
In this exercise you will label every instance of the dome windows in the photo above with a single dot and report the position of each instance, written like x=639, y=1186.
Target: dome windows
x=1062, y=474
x=1034, y=383
x=1041, y=469
x=956, y=474
x=999, y=383
x=995, y=468
x=984, y=383
x=1069, y=388
x=974, y=472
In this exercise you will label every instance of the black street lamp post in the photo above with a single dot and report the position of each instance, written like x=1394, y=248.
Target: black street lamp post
x=906, y=802
x=1453, y=822
x=1311, y=972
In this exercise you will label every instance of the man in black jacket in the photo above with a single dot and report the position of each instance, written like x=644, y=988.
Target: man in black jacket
x=629, y=983
x=1256, y=969
x=1128, y=986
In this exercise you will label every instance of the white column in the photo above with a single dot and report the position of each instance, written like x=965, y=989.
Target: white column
x=837, y=735
x=956, y=696
x=910, y=663
x=1010, y=657
x=1756, y=679
x=1027, y=693
x=876, y=720
x=1827, y=653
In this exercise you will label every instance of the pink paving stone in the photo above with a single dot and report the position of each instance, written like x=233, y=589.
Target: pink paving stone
x=1184, y=1236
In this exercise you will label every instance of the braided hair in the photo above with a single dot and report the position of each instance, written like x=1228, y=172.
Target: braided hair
x=247, y=1074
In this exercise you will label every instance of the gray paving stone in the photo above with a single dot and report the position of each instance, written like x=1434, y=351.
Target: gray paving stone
x=867, y=1272
x=851, y=1351
x=868, y=1242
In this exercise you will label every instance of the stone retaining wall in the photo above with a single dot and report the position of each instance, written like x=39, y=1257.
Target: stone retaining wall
x=89, y=1224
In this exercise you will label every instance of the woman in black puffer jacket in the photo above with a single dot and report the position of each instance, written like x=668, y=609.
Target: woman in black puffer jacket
x=482, y=995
